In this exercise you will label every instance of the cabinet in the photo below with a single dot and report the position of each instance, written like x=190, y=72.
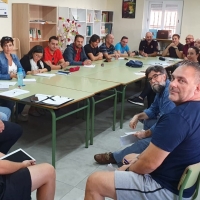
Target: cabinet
x=39, y=20
x=162, y=43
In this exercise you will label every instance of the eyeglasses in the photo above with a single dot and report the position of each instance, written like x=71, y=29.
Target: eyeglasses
x=154, y=77
x=6, y=38
x=188, y=38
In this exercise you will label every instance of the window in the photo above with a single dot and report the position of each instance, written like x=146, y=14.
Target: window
x=164, y=15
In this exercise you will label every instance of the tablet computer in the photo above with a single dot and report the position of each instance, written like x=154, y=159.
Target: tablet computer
x=17, y=156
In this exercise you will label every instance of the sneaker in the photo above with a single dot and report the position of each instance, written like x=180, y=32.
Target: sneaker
x=105, y=158
x=23, y=118
x=136, y=100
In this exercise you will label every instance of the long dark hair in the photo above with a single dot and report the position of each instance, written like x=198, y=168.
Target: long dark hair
x=35, y=49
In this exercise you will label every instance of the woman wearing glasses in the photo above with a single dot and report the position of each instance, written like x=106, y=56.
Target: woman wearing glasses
x=32, y=62
x=9, y=66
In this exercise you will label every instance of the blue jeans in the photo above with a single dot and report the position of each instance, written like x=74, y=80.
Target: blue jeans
x=137, y=147
x=5, y=113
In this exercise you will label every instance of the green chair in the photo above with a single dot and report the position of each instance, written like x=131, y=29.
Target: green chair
x=190, y=176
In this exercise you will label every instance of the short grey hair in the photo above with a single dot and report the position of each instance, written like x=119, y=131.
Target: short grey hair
x=194, y=65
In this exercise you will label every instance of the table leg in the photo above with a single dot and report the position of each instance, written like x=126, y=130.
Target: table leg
x=88, y=134
x=122, y=106
x=53, y=137
x=92, y=120
x=114, y=109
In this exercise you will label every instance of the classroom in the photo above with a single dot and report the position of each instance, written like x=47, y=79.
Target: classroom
x=86, y=90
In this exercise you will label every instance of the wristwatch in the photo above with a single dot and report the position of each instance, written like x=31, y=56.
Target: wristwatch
x=61, y=67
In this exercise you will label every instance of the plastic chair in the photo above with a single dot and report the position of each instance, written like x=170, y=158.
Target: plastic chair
x=190, y=176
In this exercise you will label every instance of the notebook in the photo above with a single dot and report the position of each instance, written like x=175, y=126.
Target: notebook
x=18, y=155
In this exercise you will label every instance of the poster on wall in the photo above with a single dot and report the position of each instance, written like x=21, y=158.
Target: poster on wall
x=128, y=8
x=3, y=8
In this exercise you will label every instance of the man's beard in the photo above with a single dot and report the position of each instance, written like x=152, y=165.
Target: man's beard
x=158, y=88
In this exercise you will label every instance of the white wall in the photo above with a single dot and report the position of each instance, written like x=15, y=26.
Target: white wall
x=190, y=20
x=6, y=23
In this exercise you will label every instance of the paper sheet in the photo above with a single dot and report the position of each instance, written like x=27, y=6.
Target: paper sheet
x=29, y=80
x=128, y=138
x=7, y=83
x=45, y=75
x=121, y=58
x=13, y=93
x=89, y=66
x=110, y=167
x=140, y=73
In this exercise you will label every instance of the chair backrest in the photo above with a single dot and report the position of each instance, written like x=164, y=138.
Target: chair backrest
x=190, y=176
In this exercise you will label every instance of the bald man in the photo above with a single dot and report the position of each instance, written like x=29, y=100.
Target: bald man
x=108, y=49
x=189, y=43
x=148, y=47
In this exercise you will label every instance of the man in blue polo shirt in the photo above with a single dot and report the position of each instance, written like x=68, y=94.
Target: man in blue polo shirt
x=175, y=144
x=108, y=49
x=122, y=48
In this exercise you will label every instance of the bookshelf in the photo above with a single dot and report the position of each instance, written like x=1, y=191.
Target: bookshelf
x=26, y=17
x=91, y=21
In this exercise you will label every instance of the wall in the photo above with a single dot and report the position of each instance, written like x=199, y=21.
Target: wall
x=190, y=20
x=132, y=28
x=6, y=23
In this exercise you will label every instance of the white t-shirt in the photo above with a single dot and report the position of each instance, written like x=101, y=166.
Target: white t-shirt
x=12, y=68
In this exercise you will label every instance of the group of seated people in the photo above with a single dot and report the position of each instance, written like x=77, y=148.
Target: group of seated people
x=156, y=162
x=149, y=48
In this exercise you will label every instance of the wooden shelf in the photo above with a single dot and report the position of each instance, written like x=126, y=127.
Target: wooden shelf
x=38, y=40
x=23, y=16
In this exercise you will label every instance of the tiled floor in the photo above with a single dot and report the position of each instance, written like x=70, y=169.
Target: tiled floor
x=74, y=162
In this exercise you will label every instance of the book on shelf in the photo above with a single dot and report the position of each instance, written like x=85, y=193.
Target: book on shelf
x=102, y=29
x=108, y=28
x=34, y=34
x=104, y=17
x=88, y=33
x=18, y=155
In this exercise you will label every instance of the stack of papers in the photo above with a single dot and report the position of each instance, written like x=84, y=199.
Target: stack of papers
x=128, y=138
x=52, y=100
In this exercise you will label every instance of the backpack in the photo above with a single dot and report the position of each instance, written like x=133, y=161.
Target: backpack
x=134, y=63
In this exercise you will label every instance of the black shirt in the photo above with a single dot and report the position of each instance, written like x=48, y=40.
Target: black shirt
x=148, y=48
x=172, y=50
x=89, y=49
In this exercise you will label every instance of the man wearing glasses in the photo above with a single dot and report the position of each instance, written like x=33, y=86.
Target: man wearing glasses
x=157, y=77
x=189, y=43
x=53, y=56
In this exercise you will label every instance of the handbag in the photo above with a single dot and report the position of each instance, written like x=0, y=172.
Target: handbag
x=134, y=63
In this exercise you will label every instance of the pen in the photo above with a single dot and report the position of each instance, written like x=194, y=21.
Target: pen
x=126, y=162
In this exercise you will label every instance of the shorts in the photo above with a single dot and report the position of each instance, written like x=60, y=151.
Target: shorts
x=18, y=185
x=129, y=185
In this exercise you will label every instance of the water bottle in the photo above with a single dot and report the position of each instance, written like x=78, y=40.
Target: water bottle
x=20, y=77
